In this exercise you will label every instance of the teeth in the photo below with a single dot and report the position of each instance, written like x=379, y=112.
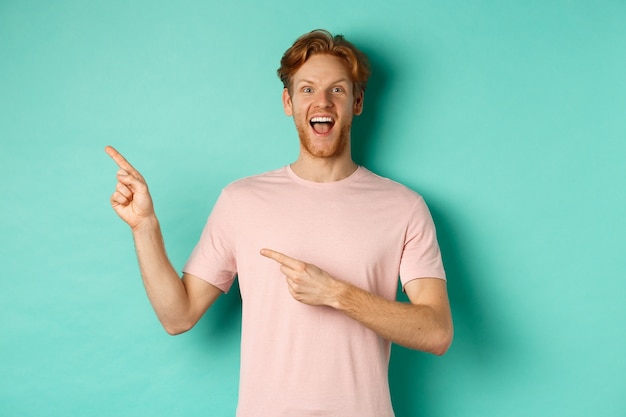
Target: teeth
x=321, y=120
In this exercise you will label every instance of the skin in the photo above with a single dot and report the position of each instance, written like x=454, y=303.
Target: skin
x=179, y=304
x=321, y=87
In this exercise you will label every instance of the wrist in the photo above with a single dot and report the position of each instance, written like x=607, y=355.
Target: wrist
x=341, y=295
x=148, y=225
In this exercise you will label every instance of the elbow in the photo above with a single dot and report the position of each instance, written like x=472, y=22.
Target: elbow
x=437, y=342
x=440, y=349
x=435, y=339
x=176, y=328
x=442, y=341
x=175, y=331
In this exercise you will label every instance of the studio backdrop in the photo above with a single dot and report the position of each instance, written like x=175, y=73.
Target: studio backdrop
x=508, y=117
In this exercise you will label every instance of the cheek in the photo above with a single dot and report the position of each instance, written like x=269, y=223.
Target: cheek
x=300, y=109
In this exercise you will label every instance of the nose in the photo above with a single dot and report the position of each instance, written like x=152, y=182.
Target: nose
x=324, y=99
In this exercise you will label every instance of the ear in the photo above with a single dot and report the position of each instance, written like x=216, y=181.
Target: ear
x=358, y=104
x=287, y=105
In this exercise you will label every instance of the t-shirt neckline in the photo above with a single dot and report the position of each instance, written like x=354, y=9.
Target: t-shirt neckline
x=333, y=184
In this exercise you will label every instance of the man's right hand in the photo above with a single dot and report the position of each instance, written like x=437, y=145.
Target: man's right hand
x=131, y=199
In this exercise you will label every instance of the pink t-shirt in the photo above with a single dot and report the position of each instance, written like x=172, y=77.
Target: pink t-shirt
x=300, y=360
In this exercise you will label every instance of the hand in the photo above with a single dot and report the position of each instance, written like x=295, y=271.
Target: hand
x=131, y=199
x=307, y=283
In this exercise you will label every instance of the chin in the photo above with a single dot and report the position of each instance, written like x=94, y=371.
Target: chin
x=333, y=150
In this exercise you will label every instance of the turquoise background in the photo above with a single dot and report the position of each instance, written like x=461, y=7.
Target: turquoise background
x=509, y=117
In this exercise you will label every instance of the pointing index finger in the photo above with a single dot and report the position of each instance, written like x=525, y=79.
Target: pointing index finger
x=119, y=159
x=280, y=258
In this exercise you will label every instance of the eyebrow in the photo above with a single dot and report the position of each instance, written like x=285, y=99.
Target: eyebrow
x=340, y=80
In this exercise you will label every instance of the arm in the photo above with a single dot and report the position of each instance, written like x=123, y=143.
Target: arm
x=179, y=304
x=424, y=324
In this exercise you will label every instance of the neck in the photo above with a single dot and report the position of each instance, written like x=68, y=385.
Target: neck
x=323, y=169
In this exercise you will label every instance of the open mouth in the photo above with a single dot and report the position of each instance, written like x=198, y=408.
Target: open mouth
x=322, y=124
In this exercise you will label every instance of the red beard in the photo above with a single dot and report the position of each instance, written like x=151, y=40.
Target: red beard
x=334, y=149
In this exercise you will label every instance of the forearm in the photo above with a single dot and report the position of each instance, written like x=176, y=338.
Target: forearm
x=416, y=326
x=165, y=290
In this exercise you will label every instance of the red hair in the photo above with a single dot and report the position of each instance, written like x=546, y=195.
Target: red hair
x=323, y=42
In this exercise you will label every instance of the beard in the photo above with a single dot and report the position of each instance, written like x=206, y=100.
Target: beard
x=331, y=150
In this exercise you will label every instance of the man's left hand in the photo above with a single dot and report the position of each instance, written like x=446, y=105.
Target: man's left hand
x=307, y=283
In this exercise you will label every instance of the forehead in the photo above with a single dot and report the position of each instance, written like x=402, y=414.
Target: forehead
x=323, y=68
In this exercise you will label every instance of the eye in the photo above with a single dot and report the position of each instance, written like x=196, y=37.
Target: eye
x=307, y=90
x=337, y=90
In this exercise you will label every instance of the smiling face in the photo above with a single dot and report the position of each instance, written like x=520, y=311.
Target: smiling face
x=322, y=103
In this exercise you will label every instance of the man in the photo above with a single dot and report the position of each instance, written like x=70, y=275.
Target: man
x=318, y=246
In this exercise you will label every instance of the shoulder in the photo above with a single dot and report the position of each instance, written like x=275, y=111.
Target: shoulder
x=388, y=187
x=254, y=181
x=249, y=190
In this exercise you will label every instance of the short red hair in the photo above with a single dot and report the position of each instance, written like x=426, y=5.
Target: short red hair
x=323, y=42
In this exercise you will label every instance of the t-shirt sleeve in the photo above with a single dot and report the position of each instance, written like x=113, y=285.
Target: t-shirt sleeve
x=421, y=257
x=213, y=258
